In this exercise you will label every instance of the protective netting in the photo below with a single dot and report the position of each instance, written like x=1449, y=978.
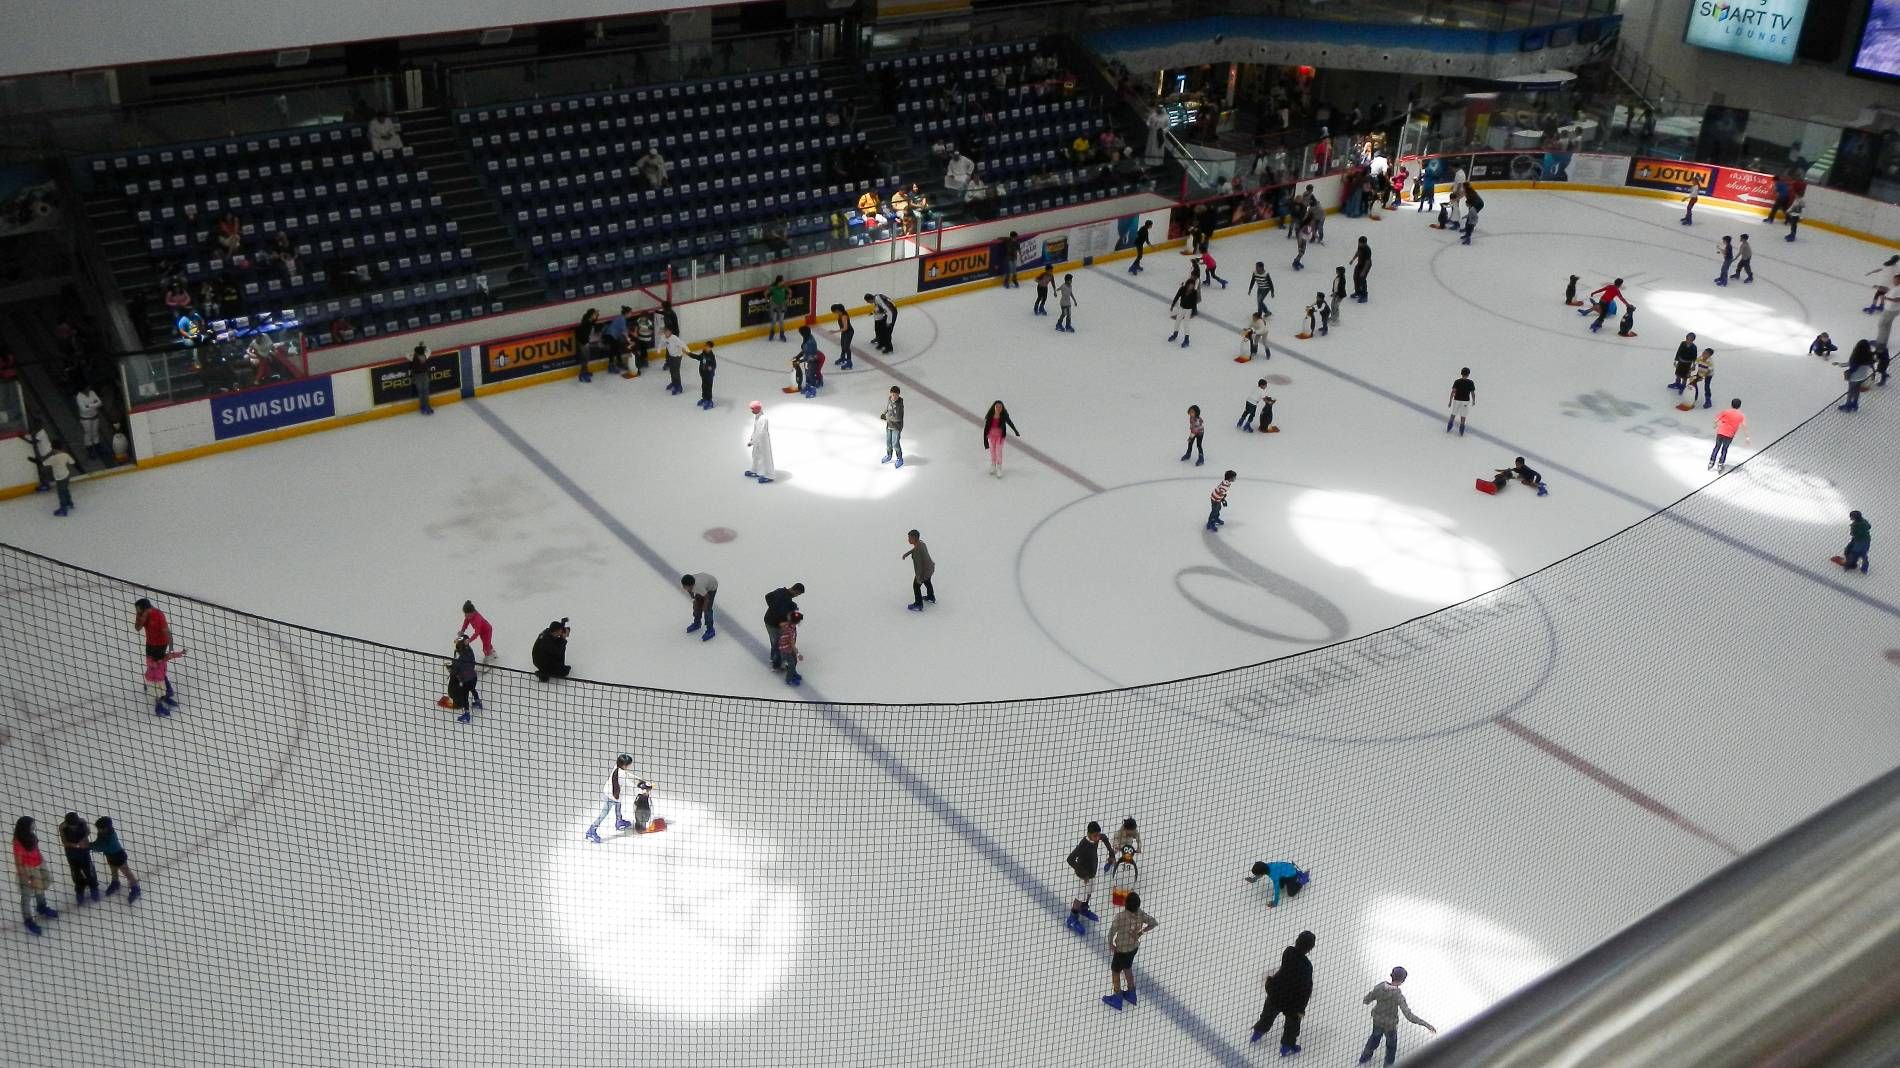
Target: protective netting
x=336, y=872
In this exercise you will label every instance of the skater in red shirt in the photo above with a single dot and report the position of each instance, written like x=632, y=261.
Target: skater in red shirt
x=158, y=631
x=1727, y=425
x=1603, y=302
x=476, y=625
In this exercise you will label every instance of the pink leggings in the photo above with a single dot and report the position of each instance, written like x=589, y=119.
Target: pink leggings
x=996, y=446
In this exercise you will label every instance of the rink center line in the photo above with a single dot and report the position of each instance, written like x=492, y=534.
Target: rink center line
x=920, y=792
x=1667, y=512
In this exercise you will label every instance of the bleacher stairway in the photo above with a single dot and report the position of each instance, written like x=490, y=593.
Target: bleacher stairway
x=499, y=258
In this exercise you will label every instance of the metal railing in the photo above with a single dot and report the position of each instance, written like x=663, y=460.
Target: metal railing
x=86, y=131
x=1783, y=958
x=619, y=68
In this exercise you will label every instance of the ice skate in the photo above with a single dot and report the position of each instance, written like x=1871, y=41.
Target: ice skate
x=1113, y=1001
x=45, y=910
x=708, y=636
x=623, y=825
x=915, y=607
x=95, y=895
x=1288, y=1051
x=1174, y=335
x=1199, y=462
x=886, y=459
x=134, y=895
x=464, y=718
x=1256, y=1036
x=1128, y=995
x=594, y=837
x=764, y=480
x=1074, y=923
x=33, y=928
x=794, y=679
x=112, y=888
x=693, y=628
x=900, y=464
x=1184, y=341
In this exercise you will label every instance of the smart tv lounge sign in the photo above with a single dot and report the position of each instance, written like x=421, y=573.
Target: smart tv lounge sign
x=269, y=407
x=1759, y=29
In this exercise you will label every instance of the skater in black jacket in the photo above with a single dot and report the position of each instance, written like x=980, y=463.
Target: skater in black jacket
x=1141, y=246
x=1261, y=285
x=1085, y=861
x=550, y=652
x=779, y=604
x=1289, y=988
x=1361, y=269
x=1186, y=299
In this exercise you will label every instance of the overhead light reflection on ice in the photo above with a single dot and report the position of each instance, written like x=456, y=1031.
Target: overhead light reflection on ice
x=1473, y=960
x=829, y=450
x=1727, y=319
x=1398, y=548
x=1768, y=485
x=680, y=922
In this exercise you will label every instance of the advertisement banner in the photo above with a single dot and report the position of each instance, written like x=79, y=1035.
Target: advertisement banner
x=939, y=269
x=1598, y=168
x=530, y=355
x=1759, y=29
x=390, y=382
x=1496, y=167
x=234, y=415
x=1675, y=175
x=1748, y=187
x=755, y=310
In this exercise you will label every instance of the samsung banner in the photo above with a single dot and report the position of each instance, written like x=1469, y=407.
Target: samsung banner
x=269, y=407
x=1759, y=29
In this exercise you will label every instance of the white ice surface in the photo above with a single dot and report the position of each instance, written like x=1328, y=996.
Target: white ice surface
x=338, y=876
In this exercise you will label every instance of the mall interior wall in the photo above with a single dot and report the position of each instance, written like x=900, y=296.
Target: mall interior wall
x=1806, y=89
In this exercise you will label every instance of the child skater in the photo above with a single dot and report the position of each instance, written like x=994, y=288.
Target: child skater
x=1252, y=408
x=462, y=693
x=1339, y=291
x=1207, y=262
x=1726, y=249
x=1603, y=303
x=158, y=684
x=1261, y=286
x=1880, y=291
x=1860, y=535
x=1043, y=281
x=1304, y=235
x=1218, y=500
x=1065, y=301
x=76, y=839
x=1196, y=431
x=1688, y=210
x=1256, y=334
x=1387, y=1003
x=1124, y=939
x=1186, y=299
x=1822, y=346
x=788, y=647
x=106, y=843
x=1085, y=861
x=477, y=626
x=1324, y=311
x=1702, y=381
x=845, y=334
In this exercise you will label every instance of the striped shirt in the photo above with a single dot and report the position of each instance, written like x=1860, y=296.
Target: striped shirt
x=1262, y=281
x=1219, y=495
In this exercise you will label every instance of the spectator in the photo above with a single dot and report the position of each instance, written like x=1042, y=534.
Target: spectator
x=91, y=417
x=868, y=207
x=1079, y=148
x=957, y=176
x=550, y=652
x=177, y=297
x=653, y=167
x=286, y=255
x=385, y=133
x=228, y=235
x=342, y=331
x=1107, y=143
x=421, y=375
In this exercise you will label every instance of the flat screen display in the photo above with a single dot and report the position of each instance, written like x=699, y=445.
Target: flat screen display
x=1759, y=29
x=1878, y=53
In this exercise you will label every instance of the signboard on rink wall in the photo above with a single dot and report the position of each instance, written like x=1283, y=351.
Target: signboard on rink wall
x=529, y=355
x=390, y=382
x=1675, y=175
x=939, y=269
x=1748, y=187
x=269, y=407
x=755, y=310
x=1598, y=168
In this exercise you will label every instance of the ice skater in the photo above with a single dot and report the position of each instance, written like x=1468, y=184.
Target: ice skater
x=760, y=442
x=106, y=843
x=1196, y=431
x=997, y=426
x=1065, y=300
x=1425, y=188
x=1796, y=209
x=1324, y=311
x=708, y=362
x=549, y=655
x=788, y=653
x=842, y=319
x=1209, y=273
x=1303, y=235
x=884, y=321
x=1860, y=368
x=1387, y=1004
x=1727, y=424
x=1701, y=382
x=1289, y=988
x=1822, y=346
x=91, y=409
x=476, y=625
x=619, y=784
x=1085, y=861
x=1519, y=471
x=1012, y=259
x=1141, y=246
x=1685, y=361
x=674, y=351
x=1744, y=261
x=1881, y=291
x=811, y=363
x=703, y=589
x=894, y=427
x=778, y=296
x=76, y=839
x=1255, y=333
x=29, y=873
x=1726, y=249
x=463, y=697
x=1603, y=303
x=1283, y=875
x=1044, y=282
x=1218, y=500
x=922, y=571
x=1252, y=408
x=1859, y=536
x=1361, y=264
x=1338, y=295
x=1124, y=940
x=1464, y=394
x=1688, y=210
x=60, y=465
x=779, y=603
x=1261, y=287
x=1186, y=299
x=158, y=684
x=158, y=645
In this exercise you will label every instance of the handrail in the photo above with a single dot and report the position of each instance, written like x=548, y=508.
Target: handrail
x=1784, y=958
x=1188, y=159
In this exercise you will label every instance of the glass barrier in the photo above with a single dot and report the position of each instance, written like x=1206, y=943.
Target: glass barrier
x=12, y=407
x=203, y=362
x=94, y=130
x=496, y=83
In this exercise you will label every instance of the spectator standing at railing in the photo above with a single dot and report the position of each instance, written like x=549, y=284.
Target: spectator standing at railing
x=653, y=167
x=385, y=133
x=777, y=296
x=91, y=418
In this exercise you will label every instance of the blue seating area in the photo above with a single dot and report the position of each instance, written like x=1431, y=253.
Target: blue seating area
x=369, y=241
x=743, y=153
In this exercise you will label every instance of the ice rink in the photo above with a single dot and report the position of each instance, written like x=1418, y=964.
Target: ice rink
x=1582, y=732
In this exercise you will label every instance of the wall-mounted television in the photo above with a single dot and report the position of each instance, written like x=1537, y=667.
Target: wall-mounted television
x=1759, y=29
x=1878, y=53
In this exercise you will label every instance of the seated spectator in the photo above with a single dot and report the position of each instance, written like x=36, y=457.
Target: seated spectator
x=1079, y=148
x=942, y=149
x=958, y=175
x=177, y=297
x=385, y=133
x=918, y=202
x=1108, y=143
x=342, y=331
x=653, y=167
x=286, y=254
x=868, y=204
x=229, y=234
x=208, y=301
x=900, y=202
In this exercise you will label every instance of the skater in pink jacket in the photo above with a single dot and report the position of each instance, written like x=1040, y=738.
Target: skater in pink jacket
x=474, y=623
